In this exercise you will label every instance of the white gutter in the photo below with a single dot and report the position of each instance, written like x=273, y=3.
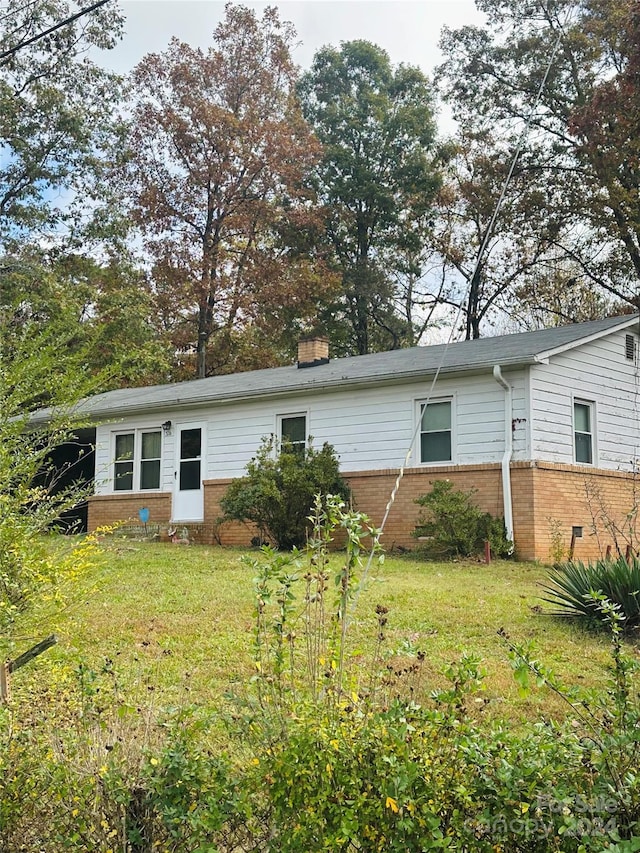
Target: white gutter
x=508, y=451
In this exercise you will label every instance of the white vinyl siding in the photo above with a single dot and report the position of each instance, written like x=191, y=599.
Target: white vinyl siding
x=597, y=372
x=370, y=428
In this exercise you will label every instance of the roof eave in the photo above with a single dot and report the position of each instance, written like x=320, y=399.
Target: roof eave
x=321, y=387
x=624, y=324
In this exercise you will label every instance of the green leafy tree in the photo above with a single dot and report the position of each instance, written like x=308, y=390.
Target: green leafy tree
x=578, y=169
x=377, y=179
x=515, y=269
x=103, y=310
x=57, y=130
x=277, y=493
x=59, y=138
x=558, y=293
x=607, y=126
x=38, y=371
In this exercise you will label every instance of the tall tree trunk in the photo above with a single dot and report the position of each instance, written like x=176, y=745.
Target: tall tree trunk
x=473, y=301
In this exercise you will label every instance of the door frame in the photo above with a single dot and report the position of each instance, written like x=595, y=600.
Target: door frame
x=196, y=513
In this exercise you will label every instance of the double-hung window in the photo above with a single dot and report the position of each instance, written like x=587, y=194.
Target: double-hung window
x=137, y=457
x=583, y=435
x=293, y=432
x=436, y=444
x=123, y=465
x=150, y=450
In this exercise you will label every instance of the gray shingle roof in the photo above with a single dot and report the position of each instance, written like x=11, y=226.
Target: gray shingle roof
x=465, y=356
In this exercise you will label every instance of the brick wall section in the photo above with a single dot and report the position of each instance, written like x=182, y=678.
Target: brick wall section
x=546, y=496
x=522, y=502
x=108, y=509
x=371, y=491
x=231, y=532
x=588, y=498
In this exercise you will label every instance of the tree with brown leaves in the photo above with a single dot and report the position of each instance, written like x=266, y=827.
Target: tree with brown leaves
x=578, y=175
x=218, y=155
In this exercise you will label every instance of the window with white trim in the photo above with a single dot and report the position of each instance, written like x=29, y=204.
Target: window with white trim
x=583, y=423
x=436, y=443
x=137, y=456
x=293, y=432
x=123, y=465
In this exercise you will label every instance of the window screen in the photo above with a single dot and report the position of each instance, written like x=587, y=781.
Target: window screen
x=435, y=432
x=190, y=459
x=123, y=467
x=151, y=447
x=583, y=432
x=293, y=431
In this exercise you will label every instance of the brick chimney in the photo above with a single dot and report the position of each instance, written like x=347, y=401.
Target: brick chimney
x=313, y=351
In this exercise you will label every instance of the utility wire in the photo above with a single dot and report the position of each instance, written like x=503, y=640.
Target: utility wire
x=13, y=50
x=17, y=11
x=481, y=252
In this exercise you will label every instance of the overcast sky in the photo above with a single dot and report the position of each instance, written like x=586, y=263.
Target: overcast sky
x=407, y=29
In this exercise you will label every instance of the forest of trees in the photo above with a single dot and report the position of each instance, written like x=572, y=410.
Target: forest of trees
x=200, y=215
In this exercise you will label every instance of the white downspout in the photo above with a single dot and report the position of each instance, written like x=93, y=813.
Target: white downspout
x=508, y=451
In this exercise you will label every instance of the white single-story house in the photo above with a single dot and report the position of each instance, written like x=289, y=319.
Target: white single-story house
x=544, y=425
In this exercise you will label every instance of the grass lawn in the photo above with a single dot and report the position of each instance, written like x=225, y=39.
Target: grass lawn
x=177, y=624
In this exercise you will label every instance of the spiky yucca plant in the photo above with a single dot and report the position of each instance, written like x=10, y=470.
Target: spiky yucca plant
x=573, y=587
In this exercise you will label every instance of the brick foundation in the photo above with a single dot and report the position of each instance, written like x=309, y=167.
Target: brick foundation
x=548, y=500
x=371, y=491
x=231, y=532
x=563, y=496
x=109, y=509
x=105, y=510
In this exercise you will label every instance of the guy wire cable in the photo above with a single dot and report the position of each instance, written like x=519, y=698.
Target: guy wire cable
x=11, y=51
x=483, y=246
x=17, y=11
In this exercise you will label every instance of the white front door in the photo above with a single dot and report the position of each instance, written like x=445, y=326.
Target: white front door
x=188, y=504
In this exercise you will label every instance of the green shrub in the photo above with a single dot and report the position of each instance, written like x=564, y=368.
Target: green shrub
x=406, y=777
x=575, y=589
x=600, y=791
x=35, y=371
x=278, y=490
x=454, y=526
x=193, y=798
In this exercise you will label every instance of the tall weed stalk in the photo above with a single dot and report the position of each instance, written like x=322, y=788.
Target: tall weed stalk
x=292, y=598
x=608, y=720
